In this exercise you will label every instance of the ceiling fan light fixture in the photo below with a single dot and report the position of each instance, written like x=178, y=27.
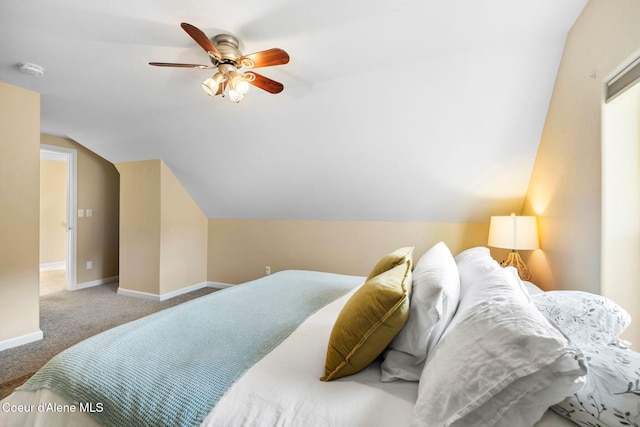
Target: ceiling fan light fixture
x=237, y=83
x=242, y=86
x=212, y=84
x=235, y=96
x=210, y=87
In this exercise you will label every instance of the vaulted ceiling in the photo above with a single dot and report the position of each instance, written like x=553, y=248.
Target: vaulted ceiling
x=408, y=110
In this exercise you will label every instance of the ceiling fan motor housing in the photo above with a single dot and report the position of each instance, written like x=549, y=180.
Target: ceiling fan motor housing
x=228, y=46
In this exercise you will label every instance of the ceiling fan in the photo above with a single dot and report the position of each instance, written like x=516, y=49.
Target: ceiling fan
x=226, y=58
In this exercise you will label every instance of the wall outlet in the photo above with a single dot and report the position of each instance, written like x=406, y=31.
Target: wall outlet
x=89, y=265
x=89, y=212
x=80, y=213
x=267, y=270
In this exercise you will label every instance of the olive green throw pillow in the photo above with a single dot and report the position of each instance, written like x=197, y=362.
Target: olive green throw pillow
x=397, y=257
x=370, y=319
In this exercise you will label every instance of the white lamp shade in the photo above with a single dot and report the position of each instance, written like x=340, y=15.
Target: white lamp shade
x=513, y=232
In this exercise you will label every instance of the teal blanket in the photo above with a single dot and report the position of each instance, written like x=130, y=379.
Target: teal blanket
x=170, y=368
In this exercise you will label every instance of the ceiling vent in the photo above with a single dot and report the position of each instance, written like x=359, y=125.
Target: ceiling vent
x=31, y=69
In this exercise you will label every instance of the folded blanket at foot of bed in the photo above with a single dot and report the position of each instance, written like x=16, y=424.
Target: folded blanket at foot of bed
x=170, y=368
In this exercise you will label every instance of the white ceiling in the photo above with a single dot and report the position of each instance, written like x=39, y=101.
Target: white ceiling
x=406, y=110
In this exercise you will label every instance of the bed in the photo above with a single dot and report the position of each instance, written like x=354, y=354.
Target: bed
x=270, y=353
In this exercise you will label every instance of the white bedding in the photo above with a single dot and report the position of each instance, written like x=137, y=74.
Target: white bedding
x=283, y=389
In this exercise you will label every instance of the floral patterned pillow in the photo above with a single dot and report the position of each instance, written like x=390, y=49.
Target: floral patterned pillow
x=611, y=394
x=586, y=319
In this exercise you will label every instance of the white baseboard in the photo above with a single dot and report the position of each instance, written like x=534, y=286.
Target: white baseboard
x=183, y=291
x=138, y=294
x=93, y=283
x=60, y=265
x=155, y=297
x=21, y=340
x=219, y=285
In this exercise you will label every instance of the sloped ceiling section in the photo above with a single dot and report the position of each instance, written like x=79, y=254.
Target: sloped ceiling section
x=414, y=110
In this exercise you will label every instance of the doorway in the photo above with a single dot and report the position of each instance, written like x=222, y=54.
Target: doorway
x=621, y=204
x=58, y=201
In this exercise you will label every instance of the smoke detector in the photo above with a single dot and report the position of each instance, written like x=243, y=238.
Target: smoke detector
x=31, y=69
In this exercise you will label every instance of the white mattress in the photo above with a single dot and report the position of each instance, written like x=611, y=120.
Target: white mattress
x=283, y=389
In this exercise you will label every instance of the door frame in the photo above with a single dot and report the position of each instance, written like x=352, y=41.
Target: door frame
x=70, y=156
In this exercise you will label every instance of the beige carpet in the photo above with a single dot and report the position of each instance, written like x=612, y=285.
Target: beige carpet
x=68, y=317
x=52, y=281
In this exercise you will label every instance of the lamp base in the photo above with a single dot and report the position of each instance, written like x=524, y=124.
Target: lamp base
x=514, y=260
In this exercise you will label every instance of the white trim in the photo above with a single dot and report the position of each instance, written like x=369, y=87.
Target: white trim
x=47, y=266
x=219, y=285
x=69, y=155
x=181, y=291
x=138, y=294
x=53, y=156
x=163, y=297
x=21, y=340
x=93, y=283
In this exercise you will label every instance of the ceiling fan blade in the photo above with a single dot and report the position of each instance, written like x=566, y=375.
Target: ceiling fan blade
x=266, y=58
x=264, y=83
x=202, y=39
x=172, y=64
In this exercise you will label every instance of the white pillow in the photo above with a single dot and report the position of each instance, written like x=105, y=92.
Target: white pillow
x=502, y=364
x=532, y=288
x=473, y=264
x=434, y=299
x=611, y=394
x=586, y=318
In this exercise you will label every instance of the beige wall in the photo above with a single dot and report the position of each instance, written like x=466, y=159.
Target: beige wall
x=98, y=190
x=140, y=226
x=565, y=188
x=239, y=250
x=53, y=212
x=183, y=256
x=19, y=216
x=163, y=233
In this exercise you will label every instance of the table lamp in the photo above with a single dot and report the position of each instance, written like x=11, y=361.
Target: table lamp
x=515, y=233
